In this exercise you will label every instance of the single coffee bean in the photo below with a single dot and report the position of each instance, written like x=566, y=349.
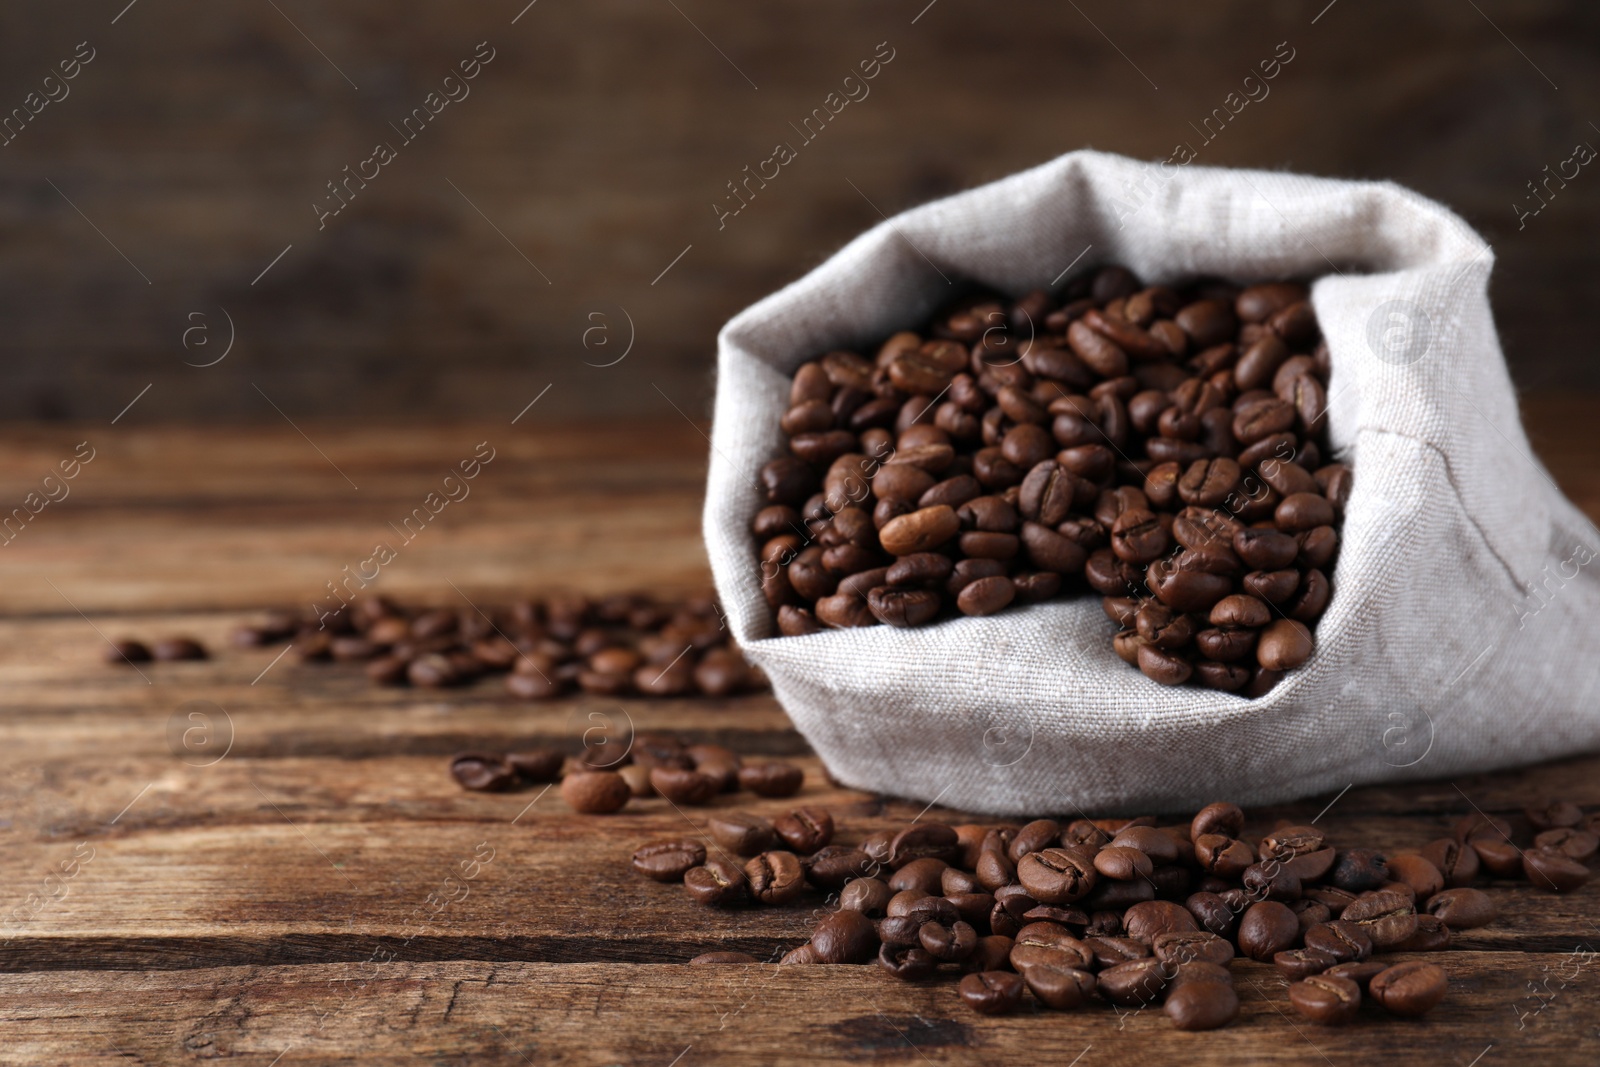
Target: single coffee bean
x=1340, y=938
x=1387, y=915
x=870, y=896
x=992, y=992
x=909, y=963
x=834, y=866
x=741, y=833
x=991, y=954
x=1267, y=928
x=482, y=773
x=1185, y=946
x=1415, y=871
x=1122, y=863
x=845, y=937
x=1297, y=963
x=1217, y=818
x=1571, y=842
x=1330, y=1001
x=595, y=792
x=1147, y=920
x=1456, y=862
x=1548, y=816
x=717, y=883
x=804, y=830
x=775, y=877
x=1410, y=989
x=1271, y=880
x=1202, y=1005
x=1060, y=988
x=1110, y=950
x=771, y=779
x=1553, y=870
x=1463, y=908
x=953, y=943
x=1360, y=869
x=1212, y=913
x=1133, y=984
x=1432, y=936
x=986, y=596
x=668, y=861
x=1284, y=644
x=1057, y=875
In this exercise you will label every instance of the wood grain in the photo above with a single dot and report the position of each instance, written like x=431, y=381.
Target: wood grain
x=291, y=898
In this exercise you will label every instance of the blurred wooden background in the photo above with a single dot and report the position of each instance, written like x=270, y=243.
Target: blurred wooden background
x=187, y=155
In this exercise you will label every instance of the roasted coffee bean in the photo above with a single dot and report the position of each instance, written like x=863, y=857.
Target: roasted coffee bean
x=922, y=876
x=668, y=861
x=1212, y=913
x=1415, y=871
x=908, y=963
x=1133, y=984
x=1411, y=988
x=595, y=792
x=1360, y=869
x=482, y=773
x=1147, y=920
x=771, y=779
x=1342, y=939
x=1201, y=1005
x=1271, y=880
x=952, y=943
x=1329, y=1000
x=845, y=936
x=1267, y=928
x=835, y=866
x=1549, y=816
x=1571, y=842
x=1122, y=863
x=1218, y=818
x=1048, y=942
x=992, y=992
x=870, y=896
x=1223, y=856
x=804, y=830
x=1388, y=916
x=1184, y=946
x=1457, y=863
x=1550, y=869
x=741, y=833
x=1056, y=875
x=717, y=883
x=683, y=786
x=1431, y=935
x=775, y=877
x=1463, y=908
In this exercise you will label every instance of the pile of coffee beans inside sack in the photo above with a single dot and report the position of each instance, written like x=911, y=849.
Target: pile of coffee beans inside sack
x=600, y=780
x=627, y=644
x=1127, y=912
x=1164, y=447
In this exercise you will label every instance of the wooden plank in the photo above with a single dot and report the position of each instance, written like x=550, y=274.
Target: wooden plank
x=507, y=1012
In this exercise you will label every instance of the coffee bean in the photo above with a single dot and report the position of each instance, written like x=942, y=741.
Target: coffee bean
x=1432, y=935
x=684, y=786
x=954, y=942
x=482, y=773
x=909, y=963
x=1267, y=928
x=668, y=861
x=1060, y=988
x=774, y=877
x=922, y=840
x=870, y=896
x=805, y=830
x=1133, y=984
x=1056, y=875
x=741, y=833
x=1122, y=863
x=1388, y=916
x=1409, y=989
x=536, y=764
x=771, y=779
x=1415, y=871
x=1571, y=842
x=1201, y=1005
x=1329, y=1000
x=845, y=936
x=1553, y=870
x=986, y=596
x=595, y=792
x=992, y=992
x=717, y=883
x=1184, y=946
x=1463, y=908
x=1298, y=963
x=1345, y=940
x=1147, y=920
x=1559, y=813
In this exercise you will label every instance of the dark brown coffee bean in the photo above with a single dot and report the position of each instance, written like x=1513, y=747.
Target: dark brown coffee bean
x=1202, y=1005
x=1217, y=818
x=1557, y=813
x=1343, y=940
x=668, y=861
x=684, y=786
x=1553, y=870
x=1133, y=984
x=1571, y=842
x=844, y=936
x=923, y=840
x=741, y=833
x=1267, y=928
x=1147, y=920
x=482, y=773
x=909, y=963
x=1122, y=863
x=870, y=896
x=1330, y=1001
x=1056, y=875
x=775, y=877
x=1185, y=946
x=804, y=830
x=1431, y=936
x=1271, y=880
x=1409, y=989
x=992, y=992
x=536, y=764
x=595, y=792
x=1456, y=862
x=771, y=779
x=718, y=883
x=954, y=942
x=1388, y=916
x=1463, y=909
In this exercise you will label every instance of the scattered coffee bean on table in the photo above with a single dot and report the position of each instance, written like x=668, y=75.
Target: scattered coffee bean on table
x=626, y=644
x=1164, y=447
x=1124, y=911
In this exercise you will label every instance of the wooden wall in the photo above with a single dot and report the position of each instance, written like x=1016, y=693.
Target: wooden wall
x=461, y=280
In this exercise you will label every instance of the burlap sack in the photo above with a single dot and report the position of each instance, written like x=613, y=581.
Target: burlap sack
x=1462, y=631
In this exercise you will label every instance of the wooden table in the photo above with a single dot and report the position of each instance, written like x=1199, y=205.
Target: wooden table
x=288, y=903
